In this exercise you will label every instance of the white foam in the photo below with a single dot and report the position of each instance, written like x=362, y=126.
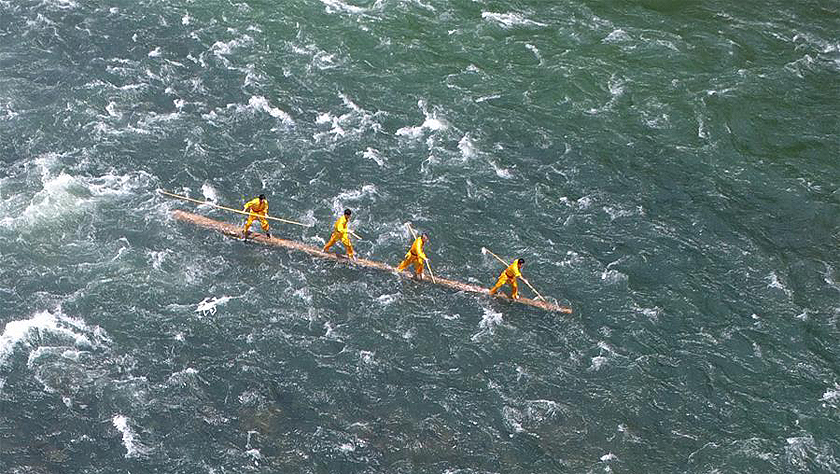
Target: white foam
x=503, y=173
x=255, y=455
x=701, y=127
x=487, y=97
x=8, y=113
x=489, y=320
x=121, y=424
x=261, y=104
x=337, y=131
x=797, y=451
x=465, y=145
x=354, y=122
x=513, y=417
x=509, y=20
x=584, y=202
x=183, y=376
x=111, y=108
x=431, y=123
x=66, y=4
x=831, y=395
x=386, y=300
x=652, y=313
x=828, y=277
x=353, y=195
x=18, y=332
x=534, y=50
x=757, y=350
x=221, y=48
x=323, y=60
x=304, y=294
x=209, y=192
x=597, y=363
x=373, y=154
x=616, y=86
x=366, y=357
x=157, y=257
x=774, y=282
x=67, y=195
x=425, y=5
x=617, y=36
x=612, y=276
x=336, y=5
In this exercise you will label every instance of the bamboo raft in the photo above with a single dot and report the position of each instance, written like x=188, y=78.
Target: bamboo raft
x=236, y=231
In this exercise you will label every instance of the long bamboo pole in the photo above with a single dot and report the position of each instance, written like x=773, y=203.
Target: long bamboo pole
x=208, y=203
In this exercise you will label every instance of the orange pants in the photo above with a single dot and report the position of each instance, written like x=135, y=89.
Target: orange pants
x=409, y=259
x=336, y=236
x=251, y=218
x=503, y=278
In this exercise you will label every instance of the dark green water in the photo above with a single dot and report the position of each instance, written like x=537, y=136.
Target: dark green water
x=667, y=168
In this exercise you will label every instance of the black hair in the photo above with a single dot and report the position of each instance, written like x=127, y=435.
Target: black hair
x=262, y=196
x=521, y=261
x=347, y=212
x=425, y=236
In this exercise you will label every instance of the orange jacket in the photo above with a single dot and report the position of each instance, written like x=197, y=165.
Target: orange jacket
x=256, y=207
x=513, y=271
x=417, y=249
x=341, y=225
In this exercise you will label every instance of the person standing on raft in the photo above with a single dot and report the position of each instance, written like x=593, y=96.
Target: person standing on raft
x=416, y=256
x=257, y=209
x=511, y=273
x=342, y=233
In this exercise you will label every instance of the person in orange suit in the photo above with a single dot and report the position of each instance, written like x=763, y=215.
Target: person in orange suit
x=511, y=273
x=342, y=233
x=416, y=256
x=257, y=208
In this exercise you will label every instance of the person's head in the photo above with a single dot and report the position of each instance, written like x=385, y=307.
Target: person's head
x=425, y=238
x=347, y=213
x=521, y=262
x=262, y=197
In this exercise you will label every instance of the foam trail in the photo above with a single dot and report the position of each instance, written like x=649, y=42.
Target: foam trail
x=121, y=424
